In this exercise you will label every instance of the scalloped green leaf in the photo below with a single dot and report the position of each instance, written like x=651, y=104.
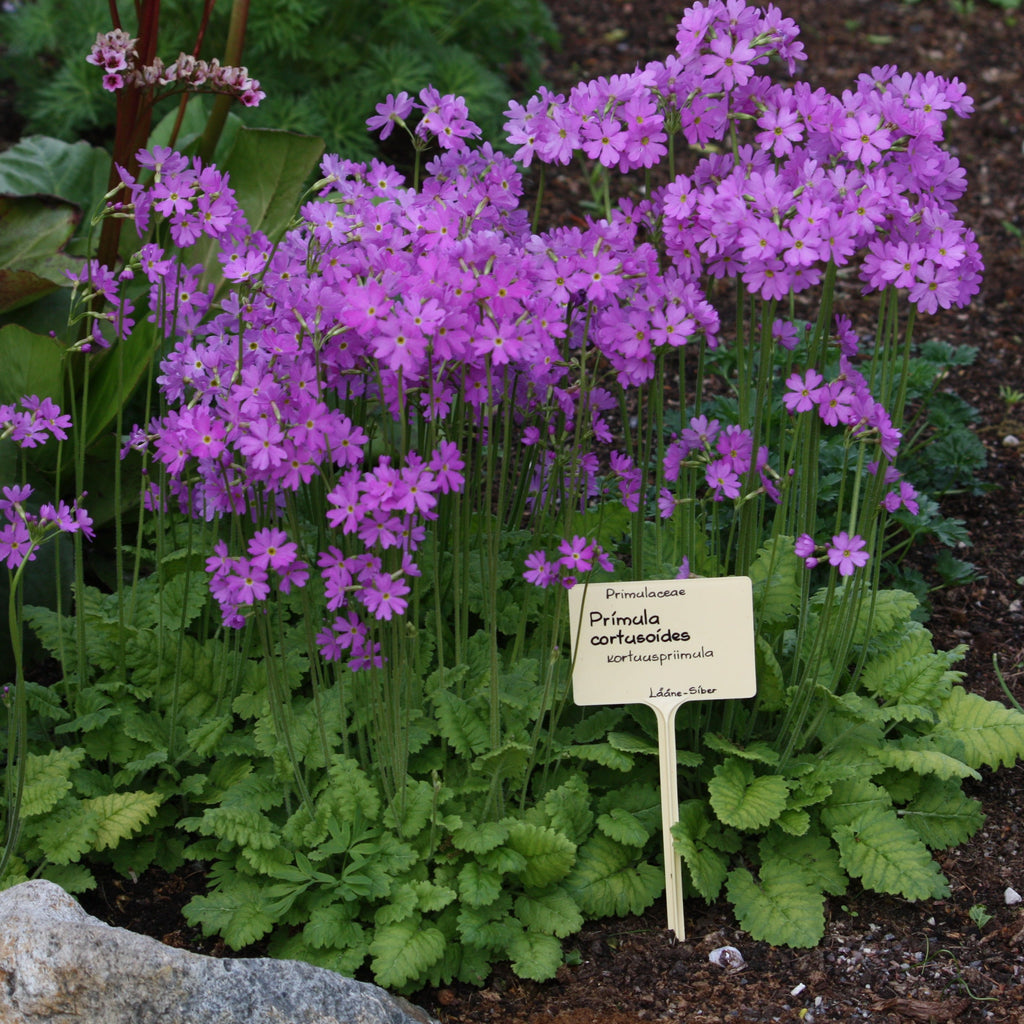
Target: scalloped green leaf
x=404, y=951
x=535, y=957
x=771, y=688
x=567, y=809
x=549, y=855
x=811, y=856
x=331, y=925
x=775, y=575
x=47, y=779
x=608, y=881
x=941, y=815
x=603, y=754
x=850, y=798
x=67, y=833
x=707, y=866
x=480, y=838
x=553, y=912
x=889, y=609
x=465, y=724
x=912, y=671
x=239, y=913
x=992, y=734
x=759, y=751
x=478, y=886
x=779, y=907
x=888, y=856
x=920, y=760
x=743, y=800
x=624, y=827
x=118, y=815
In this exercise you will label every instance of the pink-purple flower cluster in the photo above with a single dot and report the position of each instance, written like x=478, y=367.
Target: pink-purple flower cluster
x=28, y=423
x=823, y=178
x=31, y=420
x=115, y=52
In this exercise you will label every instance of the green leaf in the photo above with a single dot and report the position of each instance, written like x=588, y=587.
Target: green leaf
x=942, y=815
x=888, y=856
x=771, y=691
x=553, y=912
x=465, y=724
x=607, y=880
x=623, y=827
x=478, y=886
x=992, y=734
x=118, y=815
x=850, y=798
x=404, y=952
x=779, y=907
x=567, y=809
x=114, y=375
x=914, y=756
x=811, y=857
x=72, y=878
x=604, y=754
x=331, y=925
x=759, y=751
x=775, y=575
x=490, y=927
x=47, y=779
x=67, y=833
x=549, y=855
x=39, y=164
x=32, y=365
x=33, y=231
x=913, y=673
x=744, y=801
x=889, y=609
x=239, y=913
x=269, y=170
x=536, y=957
x=707, y=867
x=481, y=838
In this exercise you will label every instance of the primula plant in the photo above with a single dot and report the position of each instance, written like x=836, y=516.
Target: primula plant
x=393, y=437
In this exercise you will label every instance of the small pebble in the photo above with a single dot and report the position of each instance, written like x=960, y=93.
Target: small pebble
x=1011, y=441
x=728, y=957
x=1012, y=897
x=796, y=991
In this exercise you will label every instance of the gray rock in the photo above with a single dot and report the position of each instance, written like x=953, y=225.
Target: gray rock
x=58, y=965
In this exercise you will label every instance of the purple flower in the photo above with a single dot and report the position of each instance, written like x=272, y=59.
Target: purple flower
x=394, y=110
x=803, y=391
x=385, y=596
x=847, y=553
x=540, y=570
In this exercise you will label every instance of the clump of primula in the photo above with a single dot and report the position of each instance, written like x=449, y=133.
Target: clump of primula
x=116, y=54
x=436, y=313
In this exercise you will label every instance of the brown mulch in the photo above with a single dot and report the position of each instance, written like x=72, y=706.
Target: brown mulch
x=882, y=959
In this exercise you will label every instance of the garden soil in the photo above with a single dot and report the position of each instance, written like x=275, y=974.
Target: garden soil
x=882, y=959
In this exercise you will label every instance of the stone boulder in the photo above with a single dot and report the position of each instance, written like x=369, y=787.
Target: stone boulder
x=58, y=965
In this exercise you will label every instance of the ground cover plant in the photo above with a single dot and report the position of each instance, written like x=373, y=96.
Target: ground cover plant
x=449, y=452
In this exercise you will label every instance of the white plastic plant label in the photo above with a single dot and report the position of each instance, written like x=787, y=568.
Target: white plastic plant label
x=663, y=643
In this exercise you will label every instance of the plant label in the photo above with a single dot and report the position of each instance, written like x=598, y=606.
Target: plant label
x=663, y=643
